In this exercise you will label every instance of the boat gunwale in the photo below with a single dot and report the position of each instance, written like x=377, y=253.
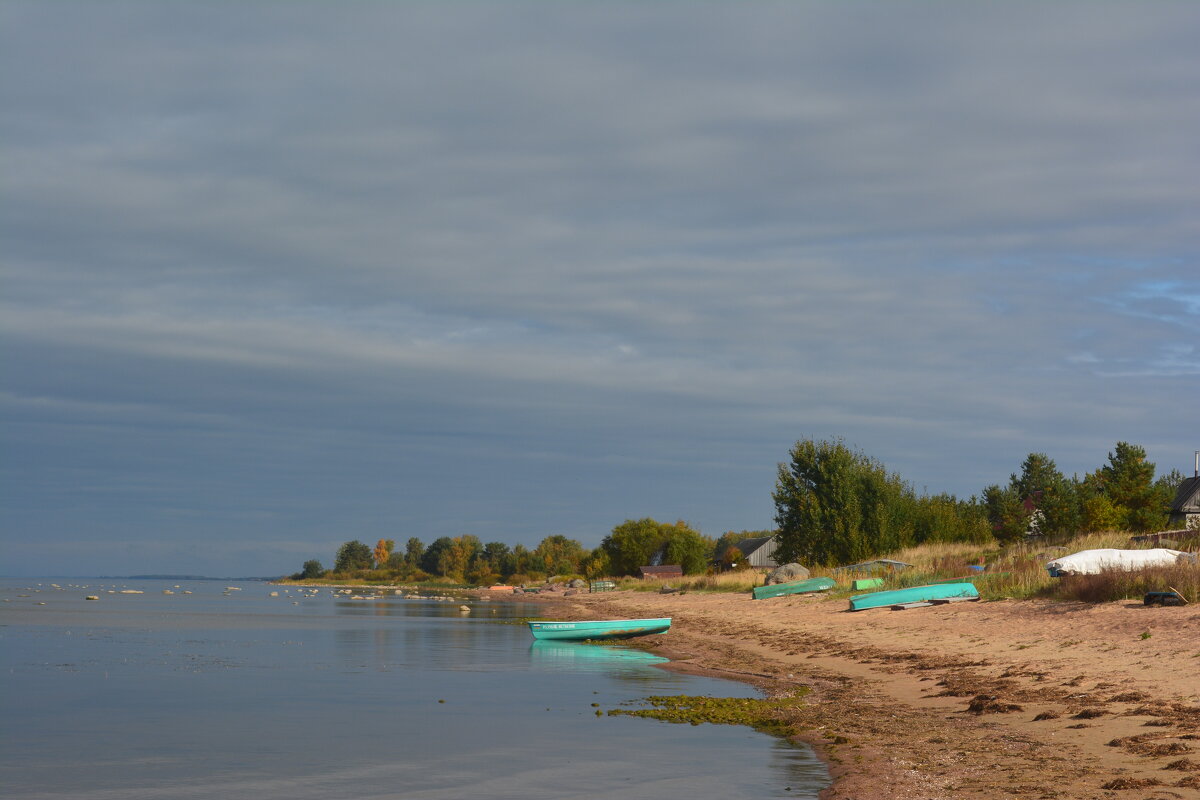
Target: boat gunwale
x=590, y=621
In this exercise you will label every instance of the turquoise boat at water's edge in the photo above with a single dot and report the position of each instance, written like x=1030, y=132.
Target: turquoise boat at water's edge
x=598, y=629
x=914, y=594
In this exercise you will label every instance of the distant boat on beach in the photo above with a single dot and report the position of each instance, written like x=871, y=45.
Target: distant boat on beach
x=915, y=594
x=599, y=629
x=795, y=587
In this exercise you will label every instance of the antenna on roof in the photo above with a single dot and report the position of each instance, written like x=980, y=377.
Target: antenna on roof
x=1198, y=463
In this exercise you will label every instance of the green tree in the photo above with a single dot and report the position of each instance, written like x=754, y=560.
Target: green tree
x=1006, y=513
x=431, y=558
x=312, y=569
x=632, y=545
x=494, y=555
x=597, y=564
x=517, y=562
x=1128, y=482
x=352, y=555
x=414, y=551
x=686, y=547
x=457, y=559
x=1096, y=509
x=1038, y=500
x=945, y=518
x=638, y=543
x=834, y=505
x=559, y=555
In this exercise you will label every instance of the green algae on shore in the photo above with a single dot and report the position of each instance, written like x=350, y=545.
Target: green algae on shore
x=768, y=715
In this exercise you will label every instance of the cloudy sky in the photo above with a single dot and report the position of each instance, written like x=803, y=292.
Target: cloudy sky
x=277, y=275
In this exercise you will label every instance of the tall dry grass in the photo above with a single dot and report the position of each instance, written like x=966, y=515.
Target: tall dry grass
x=1116, y=584
x=1016, y=571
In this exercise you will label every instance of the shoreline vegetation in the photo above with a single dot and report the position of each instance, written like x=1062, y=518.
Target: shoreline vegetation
x=833, y=505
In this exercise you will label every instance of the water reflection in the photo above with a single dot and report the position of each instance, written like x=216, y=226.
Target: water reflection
x=590, y=657
x=206, y=696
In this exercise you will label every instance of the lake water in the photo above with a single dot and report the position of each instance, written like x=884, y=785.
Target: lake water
x=243, y=695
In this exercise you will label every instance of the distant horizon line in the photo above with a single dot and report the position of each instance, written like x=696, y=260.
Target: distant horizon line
x=149, y=577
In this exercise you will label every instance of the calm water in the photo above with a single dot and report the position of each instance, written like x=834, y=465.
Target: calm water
x=209, y=695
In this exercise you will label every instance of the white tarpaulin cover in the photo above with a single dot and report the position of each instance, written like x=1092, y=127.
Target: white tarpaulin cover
x=1091, y=562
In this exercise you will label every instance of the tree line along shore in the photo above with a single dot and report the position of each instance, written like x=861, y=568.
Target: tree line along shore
x=834, y=505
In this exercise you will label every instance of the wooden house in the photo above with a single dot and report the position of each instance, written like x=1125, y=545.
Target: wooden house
x=1185, y=508
x=759, y=552
x=665, y=573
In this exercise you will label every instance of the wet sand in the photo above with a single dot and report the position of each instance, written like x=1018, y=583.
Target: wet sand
x=989, y=700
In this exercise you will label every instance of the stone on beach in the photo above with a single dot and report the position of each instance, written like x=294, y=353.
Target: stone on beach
x=787, y=573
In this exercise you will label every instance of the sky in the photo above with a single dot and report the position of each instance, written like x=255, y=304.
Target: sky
x=277, y=275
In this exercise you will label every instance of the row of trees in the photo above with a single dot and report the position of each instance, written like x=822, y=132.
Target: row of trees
x=835, y=505
x=1123, y=494
x=630, y=545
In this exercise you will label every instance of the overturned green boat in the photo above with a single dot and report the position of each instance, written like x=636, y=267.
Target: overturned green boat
x=598, y=629
x=914, y=594
x=795, y=587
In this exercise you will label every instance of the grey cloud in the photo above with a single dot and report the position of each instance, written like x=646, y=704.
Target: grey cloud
x=594, y=261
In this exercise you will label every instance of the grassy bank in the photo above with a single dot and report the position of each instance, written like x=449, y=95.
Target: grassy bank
x=1013, y=572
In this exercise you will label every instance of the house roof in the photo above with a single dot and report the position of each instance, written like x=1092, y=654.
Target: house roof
x=748, y=546
x=674, y=569
x=1187, y=494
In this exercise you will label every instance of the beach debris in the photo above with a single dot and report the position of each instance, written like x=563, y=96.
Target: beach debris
x=991, y=704
x=1131, y=783
x=1150, y=744
x=1171, y=598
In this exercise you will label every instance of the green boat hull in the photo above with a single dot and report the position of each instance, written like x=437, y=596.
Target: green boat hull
x=598, y=629
x=795, y=587
x=914, y=594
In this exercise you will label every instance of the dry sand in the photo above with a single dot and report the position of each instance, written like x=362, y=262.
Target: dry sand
x=1010, y=699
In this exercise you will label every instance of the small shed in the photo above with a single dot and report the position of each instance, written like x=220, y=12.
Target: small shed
x=759, y=552
x=664, y=573
x=1185, y=508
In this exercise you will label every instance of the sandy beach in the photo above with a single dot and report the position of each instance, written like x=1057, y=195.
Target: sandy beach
x=989, y=700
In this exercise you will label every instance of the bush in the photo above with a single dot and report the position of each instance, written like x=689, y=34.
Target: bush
x=1116, y=584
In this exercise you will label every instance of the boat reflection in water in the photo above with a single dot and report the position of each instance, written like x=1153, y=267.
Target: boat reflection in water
x=577, y=656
